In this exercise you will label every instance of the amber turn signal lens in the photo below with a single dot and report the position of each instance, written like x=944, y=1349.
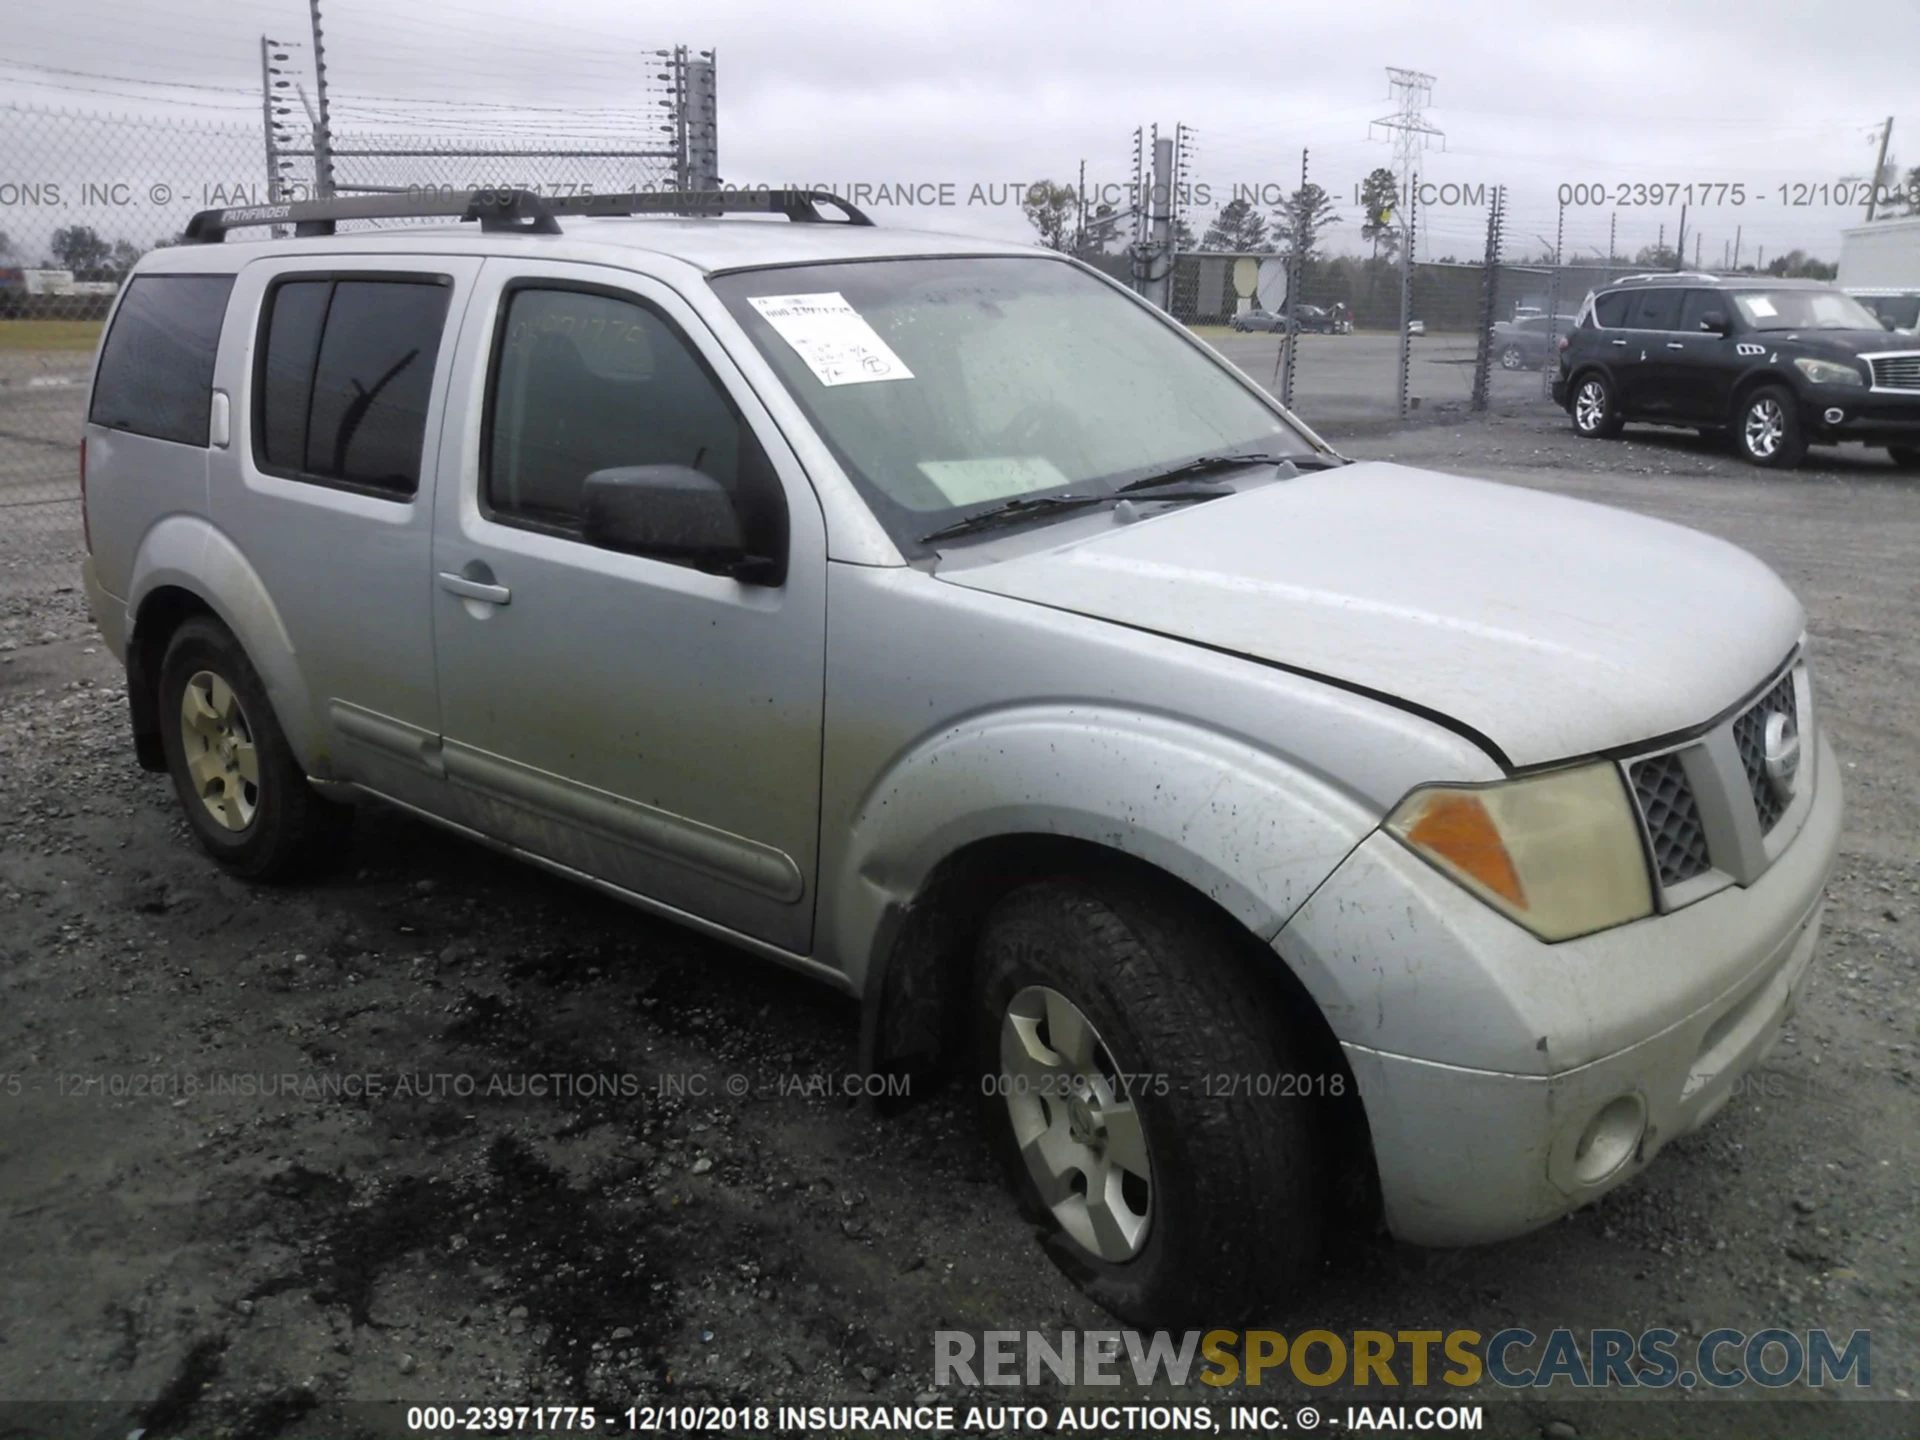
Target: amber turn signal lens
x=1456, y=827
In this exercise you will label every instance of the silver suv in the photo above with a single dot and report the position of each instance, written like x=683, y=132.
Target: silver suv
x=1262, y=834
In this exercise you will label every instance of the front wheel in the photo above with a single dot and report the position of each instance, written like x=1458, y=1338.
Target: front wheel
x=1512, y=358
x=245, y=794
x=1768, y=431
x=1595, y=414
x=1123, y=1044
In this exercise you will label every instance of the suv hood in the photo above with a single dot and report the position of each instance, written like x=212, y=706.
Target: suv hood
x=1849, y=343
x=1550, y=628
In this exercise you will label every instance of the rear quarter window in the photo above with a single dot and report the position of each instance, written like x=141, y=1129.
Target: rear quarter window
x=156, y=370
x=1610, y=311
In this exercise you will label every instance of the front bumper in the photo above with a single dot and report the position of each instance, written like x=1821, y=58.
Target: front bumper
x=1866, y=417
x=1506, y=1081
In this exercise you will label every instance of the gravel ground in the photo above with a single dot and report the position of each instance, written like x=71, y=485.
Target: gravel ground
x=247, y=1263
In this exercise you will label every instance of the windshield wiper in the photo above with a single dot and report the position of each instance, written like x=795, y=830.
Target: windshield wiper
x=1209, y=464
x=1013, y=510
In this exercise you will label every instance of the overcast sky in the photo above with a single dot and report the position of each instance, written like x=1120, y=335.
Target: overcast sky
x=996, y=93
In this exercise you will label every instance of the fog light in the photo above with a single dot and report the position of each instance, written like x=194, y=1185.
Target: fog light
x=1834, y=415
x=1610, y=1139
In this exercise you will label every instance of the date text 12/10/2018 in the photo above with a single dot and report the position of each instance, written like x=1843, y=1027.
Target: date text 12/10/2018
x=1799, y=194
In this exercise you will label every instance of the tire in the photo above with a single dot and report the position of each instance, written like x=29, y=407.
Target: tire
x=1904, y=457
x=1511, y=358
x=272, y=826
x=1223, y=1211
x=1596, y=414
x=1767, y=429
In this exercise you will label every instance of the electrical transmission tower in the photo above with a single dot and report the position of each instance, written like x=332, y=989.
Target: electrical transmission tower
x=1412, y=93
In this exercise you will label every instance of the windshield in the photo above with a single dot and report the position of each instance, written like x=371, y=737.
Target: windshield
x=948, y=387
x=1803, y=310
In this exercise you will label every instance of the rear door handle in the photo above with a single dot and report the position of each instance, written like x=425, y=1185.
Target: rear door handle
x=474, y=589
x=1675, y=345
x=1619, y=342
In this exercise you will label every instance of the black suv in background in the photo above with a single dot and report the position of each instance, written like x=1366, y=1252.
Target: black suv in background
x=1530, y=342
x=1780, y=364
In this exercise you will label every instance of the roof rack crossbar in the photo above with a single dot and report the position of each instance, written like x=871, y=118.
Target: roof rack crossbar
x=801, y=206
x=513, y=210
x=494, y=209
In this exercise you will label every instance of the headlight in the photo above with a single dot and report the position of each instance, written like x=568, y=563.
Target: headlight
x=1560, y=853
x=1829, y=372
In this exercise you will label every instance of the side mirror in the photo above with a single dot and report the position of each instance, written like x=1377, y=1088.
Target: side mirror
x=670, y=512
x=1716, y=322
x=1887, y=323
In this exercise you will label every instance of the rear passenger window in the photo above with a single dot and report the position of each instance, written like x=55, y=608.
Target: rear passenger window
x=1655, y=310
x=346, y=369
x=156, y=371
x=1611, y=310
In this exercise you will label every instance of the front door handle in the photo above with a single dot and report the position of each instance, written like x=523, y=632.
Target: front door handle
x=1620, y=342
x=1675, y=345
x=474, y=589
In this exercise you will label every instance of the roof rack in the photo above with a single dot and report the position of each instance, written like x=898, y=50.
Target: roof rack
x=514, y=211
x=1665, y=275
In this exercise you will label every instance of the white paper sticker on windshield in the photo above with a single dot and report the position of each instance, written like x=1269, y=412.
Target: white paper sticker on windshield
x=998, y=477
x=1760, y=305
x=835, y=340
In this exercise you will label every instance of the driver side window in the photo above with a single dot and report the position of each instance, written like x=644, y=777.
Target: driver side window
x=585, y=381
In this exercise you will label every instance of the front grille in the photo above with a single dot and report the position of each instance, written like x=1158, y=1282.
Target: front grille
x=1673, y=819
x=1750, y=735
x=1896, y=372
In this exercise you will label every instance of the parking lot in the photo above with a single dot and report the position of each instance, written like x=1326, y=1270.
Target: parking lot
x=258, y=1259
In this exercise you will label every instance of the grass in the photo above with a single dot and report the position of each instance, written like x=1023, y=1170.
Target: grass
x=49, y=334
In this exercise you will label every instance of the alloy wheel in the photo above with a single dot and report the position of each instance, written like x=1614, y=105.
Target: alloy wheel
x=1590, y=405
x=1077, y=1129
x=1765, y=429
x=220, y=753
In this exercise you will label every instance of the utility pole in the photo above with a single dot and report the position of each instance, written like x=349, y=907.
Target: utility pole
x=699, y=122
x=266, y=117
x=1879, y=167
x=1553, y=292
x=1406, y=294
x=322, y=129
x=1296, y=277
x=1736, y=245
x=1696, y=249
x=1613, y=235
x=1680, y=245
x=1080, y=214
x=1160, y=286
x=1489, y=286
x=1182, y=172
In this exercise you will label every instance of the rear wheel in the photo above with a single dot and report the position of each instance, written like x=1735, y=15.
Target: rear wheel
x=1513, y=358
x=1596, y=416
x=245, y=795
x=1906, y=457
x=1123, y=1045
x=1768, y=431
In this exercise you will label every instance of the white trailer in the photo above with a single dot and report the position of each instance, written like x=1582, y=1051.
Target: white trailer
x=1880, y=267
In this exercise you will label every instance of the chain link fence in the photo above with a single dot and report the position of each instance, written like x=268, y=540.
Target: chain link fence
x=1341, y=335
x=83, y=195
